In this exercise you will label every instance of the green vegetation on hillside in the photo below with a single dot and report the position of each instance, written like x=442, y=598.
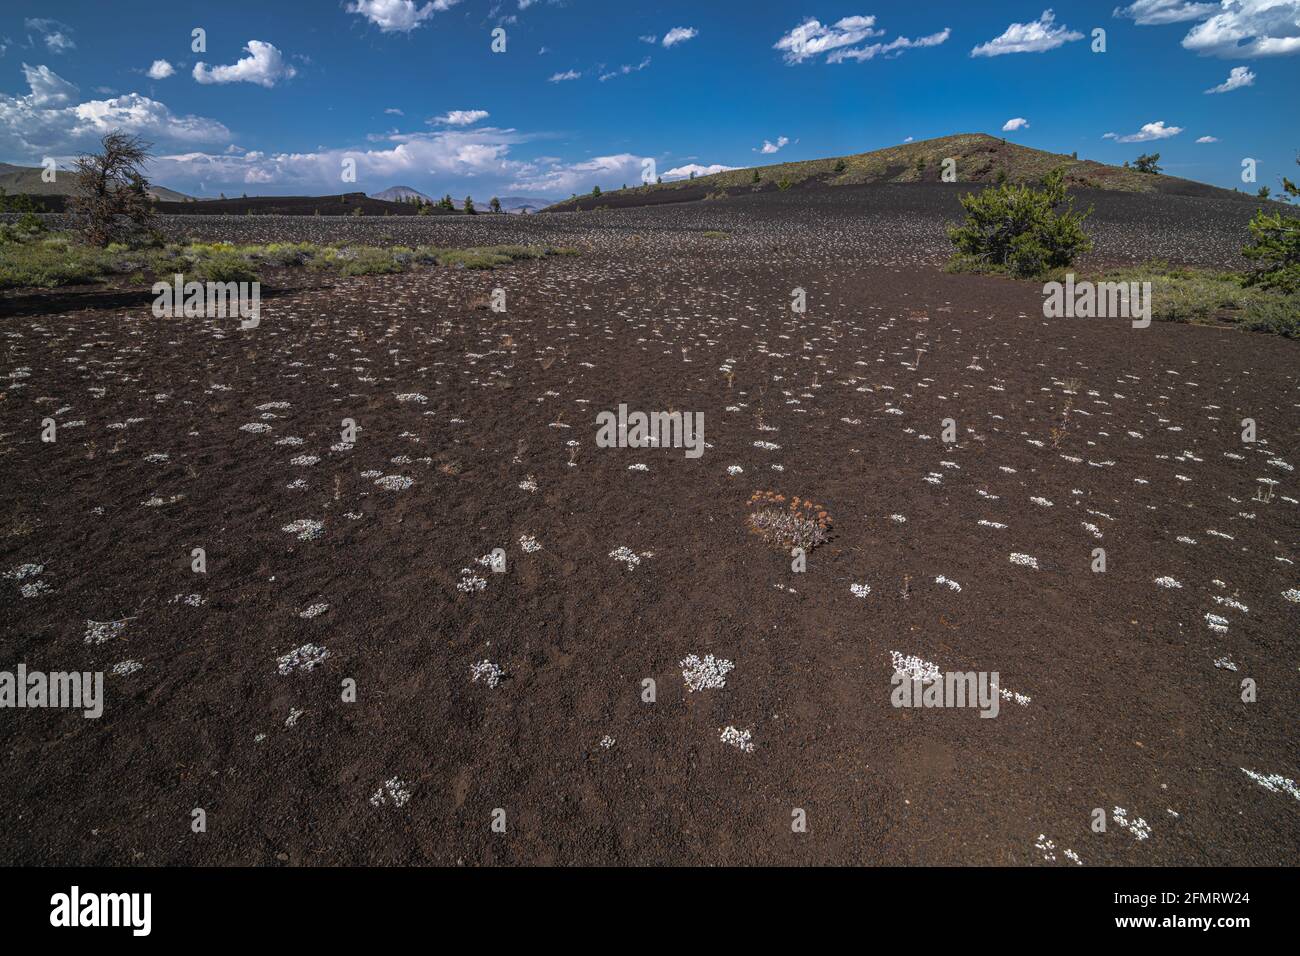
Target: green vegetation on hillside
x=58, y=260
x=980, y=158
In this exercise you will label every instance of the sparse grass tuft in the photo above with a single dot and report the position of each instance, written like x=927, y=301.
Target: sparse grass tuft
x=1201, y=296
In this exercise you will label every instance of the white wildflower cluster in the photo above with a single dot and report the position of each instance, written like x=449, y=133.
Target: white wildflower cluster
x=303, y=658
x=1024, y=560
x=314, y=610
x=529, y=543
x=30, y=585
x=394, y=482
x=487, y=672
x=1274, y=782
x=707, y=673
x=470, y=582
x=307, y=529
x=628, y=557
x=394, y=791
x=99, y=632
x=860, y=590
x=1021, y=699
x=740, y=739
x=1046, y=847
x=948, y=583
x=1167, y=582
x=24, y=571
x=914, y=668
x=1139, y=827
x=126, y=668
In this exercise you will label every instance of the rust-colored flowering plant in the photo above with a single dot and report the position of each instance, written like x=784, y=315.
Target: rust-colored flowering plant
x=797, y=523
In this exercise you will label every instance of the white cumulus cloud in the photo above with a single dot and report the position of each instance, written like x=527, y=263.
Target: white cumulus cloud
x=1156, y=12
x=461, y=117
x=1148, y=132
x=679, y=35
x=1208, y=139
x=557, y=178
x=1238, y=77
x=770, y=147
x=50, y=120
x=447, y=153
x=810, y=38
x=160, y=70
x=684, y=172
x=54, y=33
x=1248, y=28
x=399, y=16
x=264, y=65
x=1012, y=125
x=1037, y=36
x=892, y=48
x=566, y=75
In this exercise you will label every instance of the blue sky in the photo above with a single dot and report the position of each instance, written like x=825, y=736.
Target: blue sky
x=587, y=91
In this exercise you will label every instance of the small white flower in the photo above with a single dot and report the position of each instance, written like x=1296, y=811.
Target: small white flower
x=740, y=739
x=707, y=673
x=393, y=791
x=486, y=671
x=303, y=658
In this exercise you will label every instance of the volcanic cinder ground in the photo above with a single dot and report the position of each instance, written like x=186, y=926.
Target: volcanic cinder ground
x=224, y=690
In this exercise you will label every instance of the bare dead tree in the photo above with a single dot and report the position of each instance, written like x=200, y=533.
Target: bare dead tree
x=112, y=203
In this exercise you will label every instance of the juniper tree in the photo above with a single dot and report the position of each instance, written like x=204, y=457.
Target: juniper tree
x=1021, y=229
x=112, y=202
x=1275, y=246
x=1147, y=163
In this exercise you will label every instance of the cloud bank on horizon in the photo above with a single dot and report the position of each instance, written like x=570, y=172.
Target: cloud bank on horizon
x=577, y=100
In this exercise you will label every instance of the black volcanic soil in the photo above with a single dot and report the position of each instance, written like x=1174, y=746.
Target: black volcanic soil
x=1130, y=436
